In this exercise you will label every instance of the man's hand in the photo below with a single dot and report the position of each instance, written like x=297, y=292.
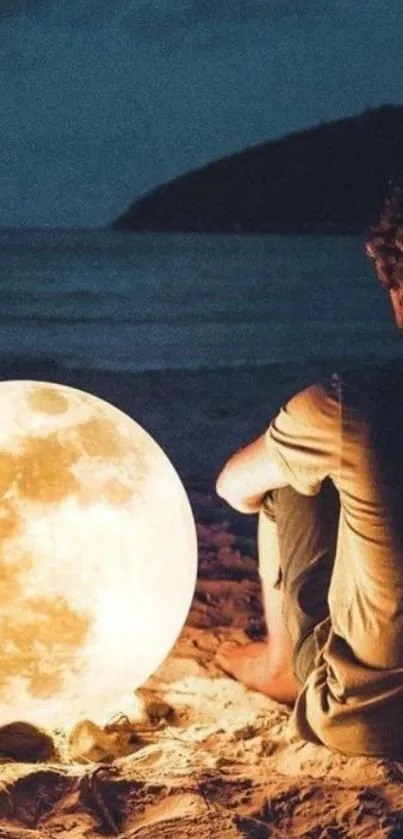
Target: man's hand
x=248, y=475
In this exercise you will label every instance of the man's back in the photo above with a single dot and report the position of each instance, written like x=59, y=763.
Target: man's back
x=351, y=430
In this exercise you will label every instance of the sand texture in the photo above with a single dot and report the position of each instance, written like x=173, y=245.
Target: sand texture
x=197, y=754
x=200, y=755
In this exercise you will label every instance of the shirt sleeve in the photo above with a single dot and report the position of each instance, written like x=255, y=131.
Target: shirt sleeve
x=306, y=437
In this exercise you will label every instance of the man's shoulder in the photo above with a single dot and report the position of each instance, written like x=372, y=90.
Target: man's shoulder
x=319, y=399
x=371, y=395
x=355, y=386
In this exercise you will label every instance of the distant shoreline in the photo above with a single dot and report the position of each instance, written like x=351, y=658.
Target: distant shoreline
x=326, y=229
x=330, y=178
x=329, y=229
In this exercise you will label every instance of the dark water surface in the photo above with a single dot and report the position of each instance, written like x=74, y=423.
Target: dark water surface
x=113, y=301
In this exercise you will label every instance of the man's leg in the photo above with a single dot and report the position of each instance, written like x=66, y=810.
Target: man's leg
x=266, y=666
x=297, y=544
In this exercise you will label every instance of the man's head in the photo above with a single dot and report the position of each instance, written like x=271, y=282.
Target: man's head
x=384, y=246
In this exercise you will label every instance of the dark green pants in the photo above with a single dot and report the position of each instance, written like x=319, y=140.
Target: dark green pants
x=307, y=536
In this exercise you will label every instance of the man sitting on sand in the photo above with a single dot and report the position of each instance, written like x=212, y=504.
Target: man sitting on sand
x=327, y=481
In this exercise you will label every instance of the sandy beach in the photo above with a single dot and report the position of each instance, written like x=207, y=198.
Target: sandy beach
x=198, y=754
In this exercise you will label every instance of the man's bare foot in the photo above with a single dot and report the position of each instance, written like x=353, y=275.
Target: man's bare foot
x=253, y=665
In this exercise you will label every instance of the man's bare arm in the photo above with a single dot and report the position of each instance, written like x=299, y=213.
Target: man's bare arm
x=248, y=475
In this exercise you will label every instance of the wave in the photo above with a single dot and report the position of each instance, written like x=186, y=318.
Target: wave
x=21, y=364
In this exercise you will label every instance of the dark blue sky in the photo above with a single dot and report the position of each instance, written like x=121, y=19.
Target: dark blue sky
x=102, y=100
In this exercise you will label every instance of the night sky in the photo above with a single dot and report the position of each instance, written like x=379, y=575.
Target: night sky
x=102, y=100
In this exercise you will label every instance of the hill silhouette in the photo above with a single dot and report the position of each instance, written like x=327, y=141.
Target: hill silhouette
x=329, y=178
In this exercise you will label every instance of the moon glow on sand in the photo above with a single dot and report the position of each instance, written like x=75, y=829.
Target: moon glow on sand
x=98, y=555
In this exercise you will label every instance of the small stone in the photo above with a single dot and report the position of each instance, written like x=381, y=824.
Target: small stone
x=88, y=743
x=25, y=743
x=247, y=732
x=268, y=747
x=158, y=711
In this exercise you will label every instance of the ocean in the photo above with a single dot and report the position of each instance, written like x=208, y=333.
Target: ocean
x=112, y=301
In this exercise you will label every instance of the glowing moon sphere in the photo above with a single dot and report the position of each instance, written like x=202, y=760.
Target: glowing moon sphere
x=98, y=555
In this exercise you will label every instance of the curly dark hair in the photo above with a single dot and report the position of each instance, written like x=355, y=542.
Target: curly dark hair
x=384, y=244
